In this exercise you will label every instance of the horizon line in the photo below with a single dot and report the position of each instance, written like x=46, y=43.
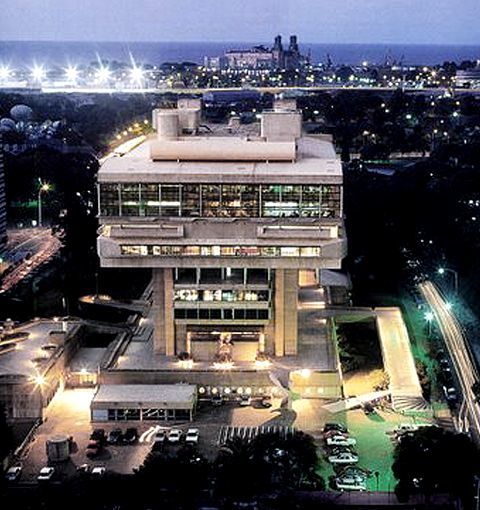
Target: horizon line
x=301, y=43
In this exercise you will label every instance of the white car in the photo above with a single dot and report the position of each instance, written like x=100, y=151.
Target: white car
x=46, y=474
x=160, y=436
x=174, y=436
x=13, y=473
x=340, y=440
x=192, y=436
x=351, y=483
x=98, y=471
x=343, y=458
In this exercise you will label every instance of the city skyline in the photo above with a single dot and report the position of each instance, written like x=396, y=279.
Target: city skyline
x=375, y=21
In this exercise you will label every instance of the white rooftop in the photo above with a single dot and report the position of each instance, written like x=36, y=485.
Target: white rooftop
x=315, y=161
x=146, y=394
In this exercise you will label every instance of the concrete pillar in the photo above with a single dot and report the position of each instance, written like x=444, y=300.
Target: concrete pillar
x=286, y=303
x=261, y=343
x=164, y=335
x=181, y=342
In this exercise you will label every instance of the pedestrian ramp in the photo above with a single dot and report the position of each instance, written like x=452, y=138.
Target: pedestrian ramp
x=229, y=433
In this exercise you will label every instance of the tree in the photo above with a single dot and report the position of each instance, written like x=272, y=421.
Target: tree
x=433, y=460
x=6, y=444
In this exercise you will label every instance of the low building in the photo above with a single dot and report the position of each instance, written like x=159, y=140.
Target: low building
x=135, y=402
x=33, y=361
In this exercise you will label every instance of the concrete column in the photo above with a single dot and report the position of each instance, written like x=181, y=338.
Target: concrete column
x=164, y=335
x=279, y=312
x=261, y=343
x=286, y=303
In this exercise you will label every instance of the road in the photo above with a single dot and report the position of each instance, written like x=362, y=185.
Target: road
x=458, y=348
x=39, y=242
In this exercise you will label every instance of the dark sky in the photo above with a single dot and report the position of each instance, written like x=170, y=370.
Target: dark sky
x=330, y=21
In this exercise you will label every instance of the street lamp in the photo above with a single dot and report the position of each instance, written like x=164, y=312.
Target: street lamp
x=442, y=270
x=429, y=318
x=44, y=188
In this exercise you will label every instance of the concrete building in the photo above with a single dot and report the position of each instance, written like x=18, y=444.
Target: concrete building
x=260, y=57
x=33, y=361
x=225, y=224
x=146, y=402
x=3, y=204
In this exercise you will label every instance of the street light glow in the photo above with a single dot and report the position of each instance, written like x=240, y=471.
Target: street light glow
x=136, y=75
x=429, y=316
x=71, y=73
x=4, y=72
x=441, y=270
x=38, y=73
x=103, y=74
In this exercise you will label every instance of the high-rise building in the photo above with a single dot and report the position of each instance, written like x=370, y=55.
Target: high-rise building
x=225, y=224
x=3, y=204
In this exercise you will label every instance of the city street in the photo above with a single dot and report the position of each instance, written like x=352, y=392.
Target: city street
x=38, y=242
x=458, y=349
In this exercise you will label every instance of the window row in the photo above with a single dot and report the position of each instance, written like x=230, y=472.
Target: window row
x=220, y=251
x=222, y=313
x=217, y=201
x=220, y=295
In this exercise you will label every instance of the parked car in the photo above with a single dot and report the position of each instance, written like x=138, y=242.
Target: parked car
x=192, y=436
x=98, y=471
x=99, y=435
x=450, y=394
x=335, y=426
x=217, y=400
x=368, y=408
x=94, y=447
x=266, y=402
x=174, y=436
x=115, y=436
x=13, y=474
x=131, y=435
x=46, y=474
x=340, y=440
x=245, y=400
x=344, y=457
x=160, y=437
x=350, y=483
x=83, y=469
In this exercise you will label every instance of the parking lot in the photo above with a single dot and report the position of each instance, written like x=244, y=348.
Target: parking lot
x=69, y=414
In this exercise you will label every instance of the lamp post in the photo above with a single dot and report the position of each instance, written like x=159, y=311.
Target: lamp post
x=429, y=318
x=443, y=270
x=44, y=188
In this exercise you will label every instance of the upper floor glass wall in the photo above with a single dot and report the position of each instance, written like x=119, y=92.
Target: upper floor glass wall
x=221, y=201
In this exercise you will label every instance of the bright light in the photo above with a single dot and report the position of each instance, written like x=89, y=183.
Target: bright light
x=39, y=380
x=136, y=75
x=305, y=373
x=38, y=73
x=84, y=371
x=103, y=74
x=45, y=186
x=262, y=363
x=227, y=365
x=441, y=270
x=364, y=63
x=429, y=316
x=448, y=306
x=4, y=72
x=71, y=73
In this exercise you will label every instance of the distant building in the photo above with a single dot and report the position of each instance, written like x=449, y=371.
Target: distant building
x=470, y=78
x=261, y=57
x=3, y=204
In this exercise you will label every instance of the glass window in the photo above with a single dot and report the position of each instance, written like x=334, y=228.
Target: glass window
x=310, y=207
x=150, y=200
x=307, y=251
x=109, y=199
x=130, y=204
x=289, y=251
x=190, y=200
x=330, y=205
x=211, y=200
x=170, y=199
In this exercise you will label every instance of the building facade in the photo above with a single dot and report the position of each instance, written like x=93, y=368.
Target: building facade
x=226, y=224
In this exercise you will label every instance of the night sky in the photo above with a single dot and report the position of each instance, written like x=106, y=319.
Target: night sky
x=330, y=21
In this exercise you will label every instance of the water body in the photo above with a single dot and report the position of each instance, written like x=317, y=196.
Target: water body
x=25, y=53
